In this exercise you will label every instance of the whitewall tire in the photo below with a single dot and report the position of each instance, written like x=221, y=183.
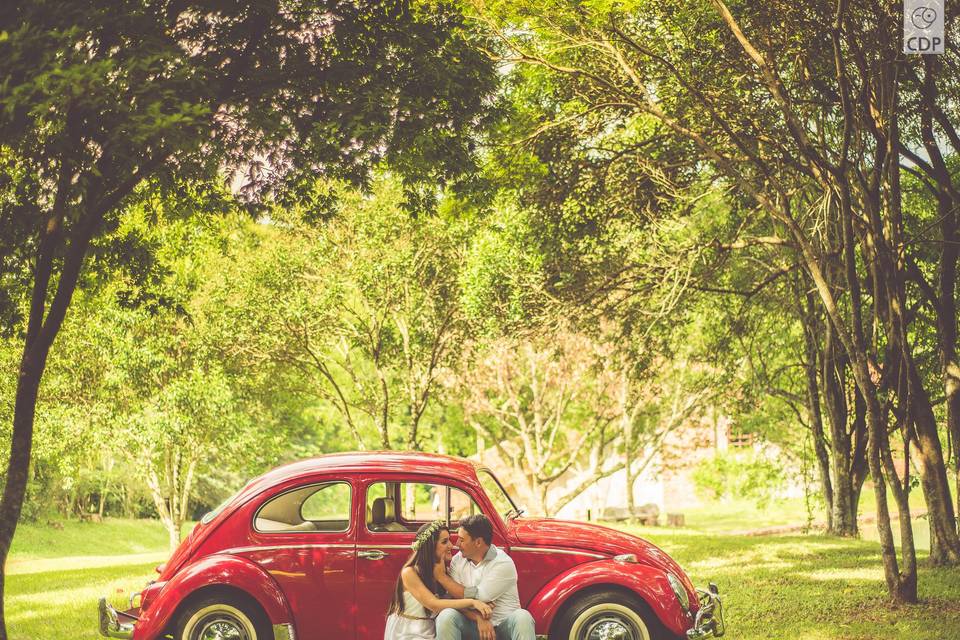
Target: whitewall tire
x=607, y=615
x=222, y=618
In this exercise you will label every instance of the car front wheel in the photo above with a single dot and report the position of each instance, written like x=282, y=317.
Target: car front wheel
x=608, y=615
x=223, y=618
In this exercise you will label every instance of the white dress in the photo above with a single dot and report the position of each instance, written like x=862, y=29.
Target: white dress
x=415, y=623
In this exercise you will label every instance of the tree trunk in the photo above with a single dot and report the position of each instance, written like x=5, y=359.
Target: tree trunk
x=631, y=480
x=547, y=508
x=813, y=408
x=42, y=330
x=626, y=422
x=908, y=577
x=889, y=279
x=18, y=465
x=846, y=489
x=171, y=493
x=948, y=201
x=944, y=542
x=860, y=360
x=902, y=588
x=164, y=511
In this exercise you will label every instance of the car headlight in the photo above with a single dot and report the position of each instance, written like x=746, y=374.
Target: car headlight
x=679, y=591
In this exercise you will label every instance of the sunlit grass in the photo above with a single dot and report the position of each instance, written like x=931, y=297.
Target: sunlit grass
x=56, y=574
x=806, y=587
x=811, y=587
x=62, y=605
x=113, y=536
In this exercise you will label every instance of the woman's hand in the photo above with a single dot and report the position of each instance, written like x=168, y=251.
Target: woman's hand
x=483, y=608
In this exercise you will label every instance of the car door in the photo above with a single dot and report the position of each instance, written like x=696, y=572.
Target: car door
x=304, y=536
x=395, y=508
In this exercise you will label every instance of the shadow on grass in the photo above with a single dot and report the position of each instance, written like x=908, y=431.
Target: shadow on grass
x=812, y=587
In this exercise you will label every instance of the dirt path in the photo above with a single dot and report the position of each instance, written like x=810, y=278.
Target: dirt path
x=22, y=566
x=869, y=518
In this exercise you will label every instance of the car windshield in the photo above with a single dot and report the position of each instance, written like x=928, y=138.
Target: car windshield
x=501, y=500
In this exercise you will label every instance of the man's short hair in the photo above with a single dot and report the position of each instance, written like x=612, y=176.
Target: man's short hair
x=478, y=526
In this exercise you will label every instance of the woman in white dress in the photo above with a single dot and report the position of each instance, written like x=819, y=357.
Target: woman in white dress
x=415, y=601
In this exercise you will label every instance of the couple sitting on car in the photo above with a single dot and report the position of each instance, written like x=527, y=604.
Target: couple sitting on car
x=478, y=597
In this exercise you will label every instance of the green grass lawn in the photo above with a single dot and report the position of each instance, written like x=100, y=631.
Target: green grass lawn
x=113, y=537
x=55, y=576
x=797, y=587
x=737, y=515
x=810, y=587
x=740, y=515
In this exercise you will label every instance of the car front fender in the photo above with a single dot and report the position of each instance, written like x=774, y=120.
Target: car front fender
x=648, y=583
x=213, y=570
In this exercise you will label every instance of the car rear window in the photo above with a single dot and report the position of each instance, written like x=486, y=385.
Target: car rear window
x=323, y=507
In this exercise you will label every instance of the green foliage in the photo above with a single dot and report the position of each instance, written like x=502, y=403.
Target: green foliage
x=135, y=372
x=362, y=314
x=747, y=475
x=502, y=278
x=295, y=84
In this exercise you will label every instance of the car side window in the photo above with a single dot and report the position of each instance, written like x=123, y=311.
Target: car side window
x=461, y=506
x=404, y=506
x=321, y=507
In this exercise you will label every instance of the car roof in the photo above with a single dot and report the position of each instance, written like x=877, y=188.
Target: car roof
x=365, y=461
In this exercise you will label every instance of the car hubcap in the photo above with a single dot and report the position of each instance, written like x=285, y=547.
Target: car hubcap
x=221, y=627
x=610, y=627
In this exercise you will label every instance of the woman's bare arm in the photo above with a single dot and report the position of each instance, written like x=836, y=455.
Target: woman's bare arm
x=451, y=586
x=413, y=584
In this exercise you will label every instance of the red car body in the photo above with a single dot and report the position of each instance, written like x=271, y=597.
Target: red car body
x=314, y=585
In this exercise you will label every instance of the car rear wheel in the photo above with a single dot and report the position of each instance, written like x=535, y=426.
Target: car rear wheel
x=223, y=618
x=607, y=615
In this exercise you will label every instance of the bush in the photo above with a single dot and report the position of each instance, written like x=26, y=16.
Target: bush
x=747, y=475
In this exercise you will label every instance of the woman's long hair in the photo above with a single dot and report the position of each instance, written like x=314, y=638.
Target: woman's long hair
x=422, y=559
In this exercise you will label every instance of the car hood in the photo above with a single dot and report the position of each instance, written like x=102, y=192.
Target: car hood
x=593, y=538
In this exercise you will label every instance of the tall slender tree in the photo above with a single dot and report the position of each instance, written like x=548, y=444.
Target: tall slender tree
x=97, y=98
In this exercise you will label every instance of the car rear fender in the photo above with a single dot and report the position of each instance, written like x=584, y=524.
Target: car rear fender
x=228, y=571
x=648, y=583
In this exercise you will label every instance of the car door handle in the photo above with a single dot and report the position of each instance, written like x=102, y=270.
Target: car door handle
x=371, y=554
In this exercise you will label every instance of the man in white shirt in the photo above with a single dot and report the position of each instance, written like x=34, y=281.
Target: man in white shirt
x=483, y=572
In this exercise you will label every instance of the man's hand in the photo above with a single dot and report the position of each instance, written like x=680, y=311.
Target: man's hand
x=486, y=630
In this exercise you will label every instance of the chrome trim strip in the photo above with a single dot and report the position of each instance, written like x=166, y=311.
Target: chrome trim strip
x=564, y=551
x=275, y=547
x=383, y=546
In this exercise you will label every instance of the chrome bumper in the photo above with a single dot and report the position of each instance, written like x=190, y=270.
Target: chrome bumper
x=709, y=620
x=110, y=625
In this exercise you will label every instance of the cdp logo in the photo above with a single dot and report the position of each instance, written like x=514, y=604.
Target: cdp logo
x=922, y=44
x=923, y=26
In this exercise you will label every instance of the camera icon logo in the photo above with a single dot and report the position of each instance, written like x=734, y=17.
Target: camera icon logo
x=923, y=17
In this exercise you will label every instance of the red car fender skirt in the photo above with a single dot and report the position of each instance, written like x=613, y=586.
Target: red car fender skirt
x=224, y=570
x=649, y=583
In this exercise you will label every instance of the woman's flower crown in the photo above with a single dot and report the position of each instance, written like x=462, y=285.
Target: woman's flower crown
x=427, y=533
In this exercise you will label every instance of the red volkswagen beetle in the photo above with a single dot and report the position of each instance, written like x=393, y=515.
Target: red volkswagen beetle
x=312, y=550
